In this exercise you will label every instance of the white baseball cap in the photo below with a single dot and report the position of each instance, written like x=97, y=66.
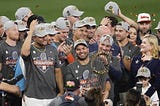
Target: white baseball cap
x=112, y=7
x=3, y=19
x=8, y=25
x=21, y=13
x=71, y=10
x=80, y=42
x=62, y=23
x=123, y=25
x=90, y=21
x=50, y=29
x=144, y=72
x=40, y=30
x=21, y=25
x=144, y=17
x=158, y=26
x=107, y=39
x=78, y=24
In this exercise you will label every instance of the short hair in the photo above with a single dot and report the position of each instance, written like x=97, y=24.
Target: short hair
x=114, y=20
x=133, y=97
x=94, y=97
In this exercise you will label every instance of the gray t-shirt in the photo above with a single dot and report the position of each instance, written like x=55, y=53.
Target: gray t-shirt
x=40, y=75
x=88, y=78
x=8, y=58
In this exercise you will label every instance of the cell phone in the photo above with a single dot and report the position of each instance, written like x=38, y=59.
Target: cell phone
x=69, y=41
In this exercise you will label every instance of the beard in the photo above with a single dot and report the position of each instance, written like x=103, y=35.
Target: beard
x=145, y=31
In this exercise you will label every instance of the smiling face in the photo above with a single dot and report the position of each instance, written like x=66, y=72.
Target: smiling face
x=41, y=41
x=121, y=34
x=82, y=52
x=132, y=34
x=145, y=46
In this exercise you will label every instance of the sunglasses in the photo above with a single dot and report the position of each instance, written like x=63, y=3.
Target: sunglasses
x=90, y=27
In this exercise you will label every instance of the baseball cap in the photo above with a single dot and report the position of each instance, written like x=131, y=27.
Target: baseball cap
x=62, y=23
x=40, y=30
x=158, y=26
x=107, y=39
x=90, y=21
x=3, y=19
x=22, y=12
x=8, y=24
x=144, y=72
x=78, y=24
x=21, y=25
x=72, y=85
x=80, y=42
x=123, y=25
x=50, y=29
x=40, y=19
x=143, y=17
x=71, y=10
x=112, y=7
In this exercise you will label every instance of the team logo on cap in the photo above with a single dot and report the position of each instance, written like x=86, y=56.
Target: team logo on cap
x=111, y=9
x=91, y=20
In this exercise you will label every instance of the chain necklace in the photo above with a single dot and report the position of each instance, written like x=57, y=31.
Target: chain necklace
x=39, y=50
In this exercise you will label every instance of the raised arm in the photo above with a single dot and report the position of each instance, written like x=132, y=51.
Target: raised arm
x=127, y=19
x=25, y=50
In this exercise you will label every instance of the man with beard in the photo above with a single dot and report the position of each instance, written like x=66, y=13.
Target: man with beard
x=10, y=51
x=128, y=52
x=43, y=75
x=83, y=69
x=143, y=23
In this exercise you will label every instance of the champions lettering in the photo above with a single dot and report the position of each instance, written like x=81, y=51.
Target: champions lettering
x=43, y=62
x=11, y=62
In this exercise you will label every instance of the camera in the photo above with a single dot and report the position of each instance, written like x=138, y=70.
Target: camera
x=139, y=87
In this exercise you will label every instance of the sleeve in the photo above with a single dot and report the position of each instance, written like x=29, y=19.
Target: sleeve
x=155, y=84
x=70, y=58
x=69, y=74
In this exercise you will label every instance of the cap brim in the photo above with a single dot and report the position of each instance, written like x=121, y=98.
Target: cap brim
x=23, y=29
x=78, y=13
x=41, y=34
x=80, y=44
x=144, y=21
x=53, y=32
